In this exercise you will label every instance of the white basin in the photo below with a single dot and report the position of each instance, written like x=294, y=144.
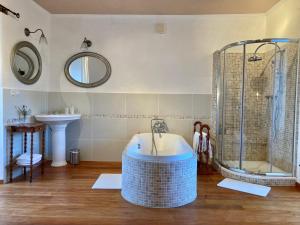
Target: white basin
x=58, y=124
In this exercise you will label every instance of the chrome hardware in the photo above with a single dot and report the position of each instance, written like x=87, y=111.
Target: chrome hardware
x=158, y=126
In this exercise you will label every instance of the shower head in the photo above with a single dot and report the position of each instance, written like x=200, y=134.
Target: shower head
x=254, y=58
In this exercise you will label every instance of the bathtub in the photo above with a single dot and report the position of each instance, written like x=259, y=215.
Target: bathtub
x=163, y=180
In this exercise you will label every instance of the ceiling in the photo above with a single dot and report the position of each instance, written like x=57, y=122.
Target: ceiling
x=156, y=7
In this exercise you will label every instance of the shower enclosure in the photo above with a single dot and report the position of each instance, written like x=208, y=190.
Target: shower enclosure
x=255, y=114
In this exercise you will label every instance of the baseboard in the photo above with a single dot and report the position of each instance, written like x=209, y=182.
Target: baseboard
x=101, y=164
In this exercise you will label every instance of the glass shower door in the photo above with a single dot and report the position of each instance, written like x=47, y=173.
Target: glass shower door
x=281, y=135
x=258, y=111
x=218, y=66
x=232, y=90
x=269, y=106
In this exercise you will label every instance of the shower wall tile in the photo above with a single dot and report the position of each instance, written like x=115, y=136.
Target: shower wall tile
x=145, y=104
x=176, y=104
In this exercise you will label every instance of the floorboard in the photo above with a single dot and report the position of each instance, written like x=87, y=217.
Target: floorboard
x=64, y=196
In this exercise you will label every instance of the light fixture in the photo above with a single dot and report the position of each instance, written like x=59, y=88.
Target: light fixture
x=43, y=38
x=86, y=44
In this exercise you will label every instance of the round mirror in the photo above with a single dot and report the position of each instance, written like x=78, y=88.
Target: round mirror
x=26, y=62
x=87, y=69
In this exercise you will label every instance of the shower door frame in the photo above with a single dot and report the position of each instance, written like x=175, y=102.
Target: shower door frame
x=220, y=76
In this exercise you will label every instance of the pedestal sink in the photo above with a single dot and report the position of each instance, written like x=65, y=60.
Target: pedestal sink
x=58, y=124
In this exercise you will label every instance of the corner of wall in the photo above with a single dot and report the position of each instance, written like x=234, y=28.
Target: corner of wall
x=1, y=105
x=283, y=19
x=2, y=138
x=32, y=16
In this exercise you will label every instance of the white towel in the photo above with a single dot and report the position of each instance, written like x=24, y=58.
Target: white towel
x=26, y=156
x=204, y=146
x=24, y=159
x=22, y=163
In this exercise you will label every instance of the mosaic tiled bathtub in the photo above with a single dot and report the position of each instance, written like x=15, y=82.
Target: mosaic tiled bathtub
x=165, y=180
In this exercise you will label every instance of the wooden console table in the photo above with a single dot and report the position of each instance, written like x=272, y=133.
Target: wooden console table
x=26, y=128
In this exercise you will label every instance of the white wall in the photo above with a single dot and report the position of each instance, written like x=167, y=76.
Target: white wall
x=33, y=17
x=11, y=32
x=179, y=61
x=283, y=20
x=1, y=105
x=143, y=61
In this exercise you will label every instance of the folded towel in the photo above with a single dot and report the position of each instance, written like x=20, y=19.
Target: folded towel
x=196, y=140
x=25, y=163
x=24, y=159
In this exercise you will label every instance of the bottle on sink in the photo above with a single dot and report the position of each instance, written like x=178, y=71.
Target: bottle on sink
x=72, y=109
x=67, y=110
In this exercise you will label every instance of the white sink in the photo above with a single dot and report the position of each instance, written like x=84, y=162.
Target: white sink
x=58, y=124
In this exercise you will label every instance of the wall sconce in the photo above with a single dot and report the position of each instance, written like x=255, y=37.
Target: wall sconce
x=86, y=44
x=43, y=38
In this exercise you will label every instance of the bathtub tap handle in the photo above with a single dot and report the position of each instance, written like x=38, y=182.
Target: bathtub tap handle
x=157, y=126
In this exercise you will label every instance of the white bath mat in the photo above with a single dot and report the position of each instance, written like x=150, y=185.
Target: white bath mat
x=108, y=181
x=253, y=189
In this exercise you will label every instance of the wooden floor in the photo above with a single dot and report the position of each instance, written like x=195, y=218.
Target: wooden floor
x=64, y=196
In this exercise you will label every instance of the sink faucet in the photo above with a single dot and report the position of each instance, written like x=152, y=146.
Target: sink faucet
x=158, y=126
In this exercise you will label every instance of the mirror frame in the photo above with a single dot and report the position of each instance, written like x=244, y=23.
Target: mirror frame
x=91, y=54
x=29, y=62
x=15, y=51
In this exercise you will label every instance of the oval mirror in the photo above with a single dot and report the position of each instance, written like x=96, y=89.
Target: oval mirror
x=87, y=69
x=26, y=62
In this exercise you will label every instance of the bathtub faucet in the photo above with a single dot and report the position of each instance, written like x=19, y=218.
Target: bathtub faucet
x=157, y=126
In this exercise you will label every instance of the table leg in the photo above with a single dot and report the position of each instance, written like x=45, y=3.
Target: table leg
x=31, y=155
x=11, y=157
x=25, y=150
x=43, y=151
x=207, y=159
x=200, y=161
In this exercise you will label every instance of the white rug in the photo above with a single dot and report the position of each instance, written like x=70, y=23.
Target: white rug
x=108, y=181
x=253, y=189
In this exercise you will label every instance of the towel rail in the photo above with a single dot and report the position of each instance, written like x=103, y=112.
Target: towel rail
x=6, y=11
x=203, y=128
